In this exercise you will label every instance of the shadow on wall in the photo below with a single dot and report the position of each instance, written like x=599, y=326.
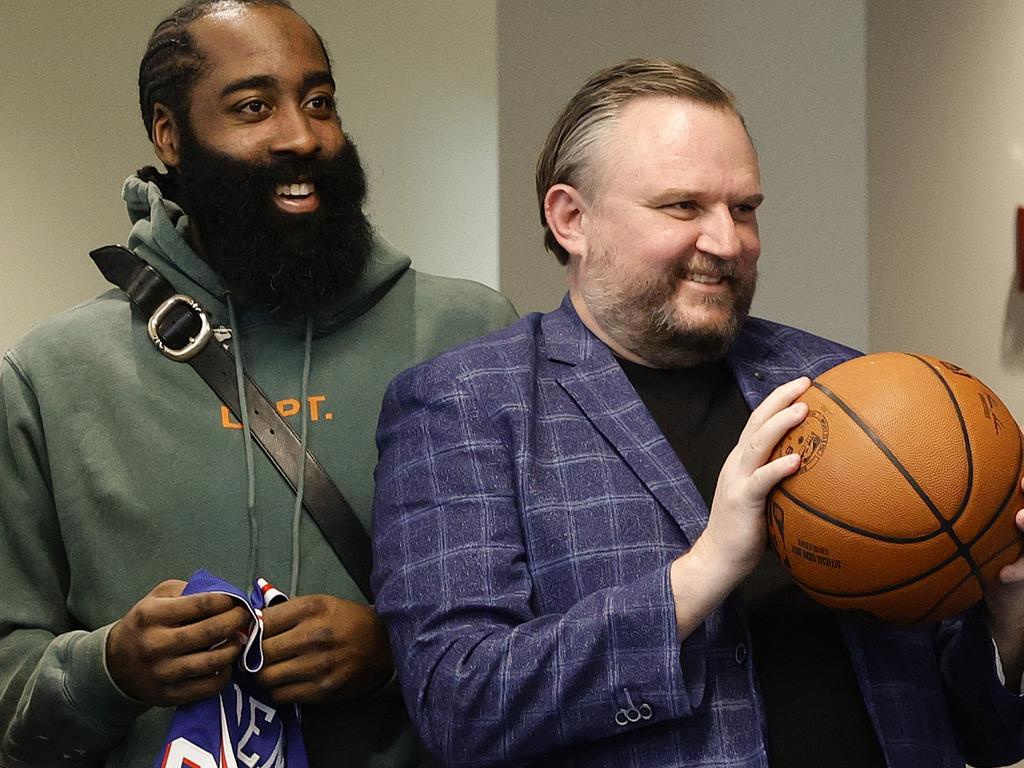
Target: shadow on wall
x=1011, y=353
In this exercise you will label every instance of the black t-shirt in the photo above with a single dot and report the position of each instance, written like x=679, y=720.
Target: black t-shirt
x=813, y=706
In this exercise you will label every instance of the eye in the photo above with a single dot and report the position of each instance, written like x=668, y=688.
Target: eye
x=684, y=209
x=321, y=103
x=744, y=212
x=253, y=107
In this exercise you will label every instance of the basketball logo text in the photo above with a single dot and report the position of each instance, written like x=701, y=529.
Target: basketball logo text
x=990, y=405
x=809, y=439
x=815, y=553
x=956, y=369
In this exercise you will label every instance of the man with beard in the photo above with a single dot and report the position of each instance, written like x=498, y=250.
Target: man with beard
x=122, y=472
x=575, y=572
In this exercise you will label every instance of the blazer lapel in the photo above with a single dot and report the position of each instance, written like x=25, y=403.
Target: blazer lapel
x=755, y=362
x=595, y=381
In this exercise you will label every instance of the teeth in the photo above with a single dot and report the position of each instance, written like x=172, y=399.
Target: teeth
x=706, y=279
x=295, y=190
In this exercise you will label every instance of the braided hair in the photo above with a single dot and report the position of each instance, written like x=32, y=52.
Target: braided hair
x=170, y=67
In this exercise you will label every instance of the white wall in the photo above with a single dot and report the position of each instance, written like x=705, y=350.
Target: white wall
x=797, y=68
x=418, y=92
x=946, y=152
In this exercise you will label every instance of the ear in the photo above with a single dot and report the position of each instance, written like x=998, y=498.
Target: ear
x=166, y=136
x=564, y=210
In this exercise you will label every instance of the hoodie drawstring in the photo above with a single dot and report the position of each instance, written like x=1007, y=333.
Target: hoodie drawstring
x=243, y=406
x=303, y=433
x=249, y=461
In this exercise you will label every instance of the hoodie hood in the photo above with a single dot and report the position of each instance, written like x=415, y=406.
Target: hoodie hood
x=160, y=236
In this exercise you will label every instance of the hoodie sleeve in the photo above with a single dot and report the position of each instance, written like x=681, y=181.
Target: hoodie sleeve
x=58, y=704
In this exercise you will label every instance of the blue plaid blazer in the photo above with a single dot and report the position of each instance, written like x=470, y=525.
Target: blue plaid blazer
x=526, y=514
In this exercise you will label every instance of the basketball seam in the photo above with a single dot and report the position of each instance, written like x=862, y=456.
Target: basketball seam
x=852, y=528
x=906, y=583
x=1003, y=504
x=964, y=542
x=888, y=587
x=945, y=526
x=969, y=450
x=950, y=592
x=965, y=549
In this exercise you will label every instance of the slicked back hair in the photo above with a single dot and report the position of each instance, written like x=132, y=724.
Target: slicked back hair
x=173, y=62
x=569, y=153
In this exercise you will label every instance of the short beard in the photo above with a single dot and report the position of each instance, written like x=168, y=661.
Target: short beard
x=641, y=316
x=287, y=263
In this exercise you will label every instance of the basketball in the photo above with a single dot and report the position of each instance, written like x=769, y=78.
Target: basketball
x=903, y=506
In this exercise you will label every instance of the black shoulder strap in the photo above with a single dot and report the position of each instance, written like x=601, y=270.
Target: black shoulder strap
x=179, y=328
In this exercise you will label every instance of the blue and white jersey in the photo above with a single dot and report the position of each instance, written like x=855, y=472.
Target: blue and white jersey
x=239, y=727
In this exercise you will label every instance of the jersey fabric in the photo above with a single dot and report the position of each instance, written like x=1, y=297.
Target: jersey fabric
x=239, y=725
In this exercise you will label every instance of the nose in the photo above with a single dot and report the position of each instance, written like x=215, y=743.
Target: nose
x=295, y=133
x=719, y=235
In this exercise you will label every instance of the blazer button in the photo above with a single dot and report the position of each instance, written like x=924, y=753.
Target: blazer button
x=630, y=715
x=741, y=653
x=759, y=375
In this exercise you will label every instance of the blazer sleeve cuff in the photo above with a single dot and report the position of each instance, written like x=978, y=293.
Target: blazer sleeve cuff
x=651, y=667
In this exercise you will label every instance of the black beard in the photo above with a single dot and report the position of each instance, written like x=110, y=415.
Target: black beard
x=287, y=263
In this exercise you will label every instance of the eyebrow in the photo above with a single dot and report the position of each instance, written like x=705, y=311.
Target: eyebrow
x=256, y=82
x=313, y=79
x=670, y=195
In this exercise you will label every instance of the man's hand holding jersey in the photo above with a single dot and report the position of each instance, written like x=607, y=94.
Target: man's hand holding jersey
x=320, y=648
x=169, y=649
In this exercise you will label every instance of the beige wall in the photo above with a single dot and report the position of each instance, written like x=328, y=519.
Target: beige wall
x=946, y=169
x=69, y=134
x=797, y=67
x=418, y=91
x=946, y=174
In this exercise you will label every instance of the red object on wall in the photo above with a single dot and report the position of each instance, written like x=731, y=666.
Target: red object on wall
x=1020, y=248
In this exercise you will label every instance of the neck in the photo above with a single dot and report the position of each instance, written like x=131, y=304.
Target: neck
x=588, y=319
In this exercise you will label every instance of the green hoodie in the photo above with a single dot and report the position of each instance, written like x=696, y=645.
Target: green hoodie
x=119, y=469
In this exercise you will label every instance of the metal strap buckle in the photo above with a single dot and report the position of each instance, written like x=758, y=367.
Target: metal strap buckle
x=195, y=343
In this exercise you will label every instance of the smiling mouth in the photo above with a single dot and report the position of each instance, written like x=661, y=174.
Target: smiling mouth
x=704, y=279
x=303, y=189
x=298, y=197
